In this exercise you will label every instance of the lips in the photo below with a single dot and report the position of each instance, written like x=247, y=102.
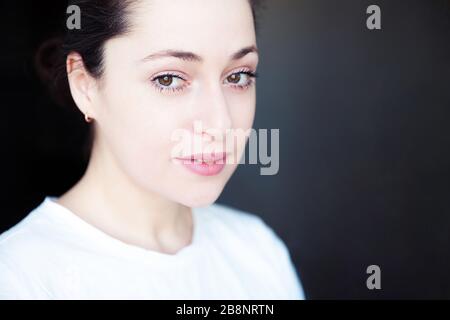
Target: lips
x=205, y=157
x=204, y=164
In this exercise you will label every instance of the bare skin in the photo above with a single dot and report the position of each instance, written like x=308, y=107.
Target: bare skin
x=131, y=189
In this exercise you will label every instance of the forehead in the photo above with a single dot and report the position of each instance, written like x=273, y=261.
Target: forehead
x=209, y=27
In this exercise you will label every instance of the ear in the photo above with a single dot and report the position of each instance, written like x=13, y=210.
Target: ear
x=82, y=84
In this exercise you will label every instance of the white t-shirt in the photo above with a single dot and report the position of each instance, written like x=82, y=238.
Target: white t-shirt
x=54, y=254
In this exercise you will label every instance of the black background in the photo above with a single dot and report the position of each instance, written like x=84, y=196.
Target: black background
x=364, y=139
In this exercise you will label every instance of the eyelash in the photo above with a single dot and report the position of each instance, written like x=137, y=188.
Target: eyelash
x=252, y=77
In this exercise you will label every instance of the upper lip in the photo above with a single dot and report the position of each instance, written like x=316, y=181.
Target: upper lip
x=207, y=157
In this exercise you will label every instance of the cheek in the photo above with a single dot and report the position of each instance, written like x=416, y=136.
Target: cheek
x=142, y=150
x=242, y=112
x=242, y=108
x=138, y=136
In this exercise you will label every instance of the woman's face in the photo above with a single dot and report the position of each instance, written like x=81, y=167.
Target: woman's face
x=146, y=96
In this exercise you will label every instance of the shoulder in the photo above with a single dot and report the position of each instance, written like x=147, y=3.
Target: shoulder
x=248, y=231
x=244, y=225
x=24, y=234
x=28, y=240
x=234, y=218
x=21, y=247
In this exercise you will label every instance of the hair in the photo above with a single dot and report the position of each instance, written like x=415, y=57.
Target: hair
x=101, y=20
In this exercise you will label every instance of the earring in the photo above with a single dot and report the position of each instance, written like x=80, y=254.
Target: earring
x=87, y=118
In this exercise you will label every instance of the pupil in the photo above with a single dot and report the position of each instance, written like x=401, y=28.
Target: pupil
x=166, y=80
x=235, y=78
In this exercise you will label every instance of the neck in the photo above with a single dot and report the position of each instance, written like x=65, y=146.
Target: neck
x=108, y=199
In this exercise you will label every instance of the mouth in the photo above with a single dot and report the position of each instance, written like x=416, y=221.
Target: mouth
x=206, y=158
x=204, y=164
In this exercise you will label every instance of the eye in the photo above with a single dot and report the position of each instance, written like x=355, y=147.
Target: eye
x=169, y=81
x=242, y=79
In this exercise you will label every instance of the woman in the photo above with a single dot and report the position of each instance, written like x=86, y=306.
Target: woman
x=142, y=222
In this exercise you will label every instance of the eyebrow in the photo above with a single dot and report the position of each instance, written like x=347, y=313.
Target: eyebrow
x=192, y=57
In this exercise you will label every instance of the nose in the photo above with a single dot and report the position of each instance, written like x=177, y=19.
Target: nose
x=215, y=115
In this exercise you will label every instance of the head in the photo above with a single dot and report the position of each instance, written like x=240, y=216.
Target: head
x=146, y=69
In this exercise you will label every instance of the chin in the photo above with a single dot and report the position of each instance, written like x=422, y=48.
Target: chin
x=200, y=199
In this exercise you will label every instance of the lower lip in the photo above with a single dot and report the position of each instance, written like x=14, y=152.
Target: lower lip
x=204, y=169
